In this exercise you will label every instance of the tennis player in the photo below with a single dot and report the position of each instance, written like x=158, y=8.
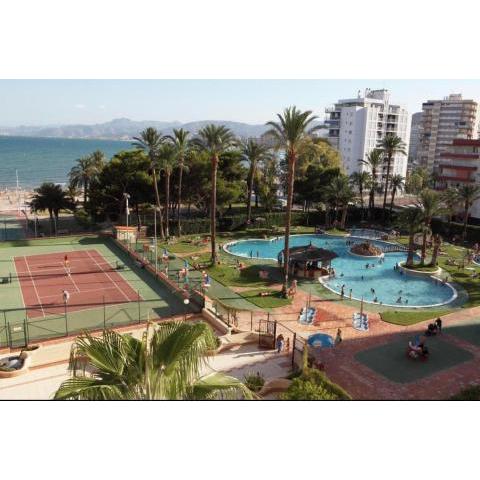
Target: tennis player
x=66, y=264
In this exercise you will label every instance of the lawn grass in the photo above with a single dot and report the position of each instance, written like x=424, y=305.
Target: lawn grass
x=411, y=317
x=274, y=300
x=337, y=231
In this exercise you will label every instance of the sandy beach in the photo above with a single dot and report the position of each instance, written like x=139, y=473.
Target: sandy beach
x=10, y=199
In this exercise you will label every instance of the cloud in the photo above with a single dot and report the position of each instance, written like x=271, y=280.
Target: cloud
x=101, y=107
x=80, y=106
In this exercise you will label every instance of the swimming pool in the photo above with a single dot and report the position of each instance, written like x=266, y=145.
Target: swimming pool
x=367, y=233
x=381, y=282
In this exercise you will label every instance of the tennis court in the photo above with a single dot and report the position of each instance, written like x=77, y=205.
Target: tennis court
x=102, y=295
x=87, y=276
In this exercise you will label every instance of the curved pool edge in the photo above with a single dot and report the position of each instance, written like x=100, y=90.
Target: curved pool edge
x=396, y=305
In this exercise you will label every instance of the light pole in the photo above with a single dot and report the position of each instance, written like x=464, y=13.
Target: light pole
x=35, y=221
x=127, y=197
x=186, y=301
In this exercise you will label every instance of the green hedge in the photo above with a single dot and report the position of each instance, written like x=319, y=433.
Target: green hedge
x=441, y=227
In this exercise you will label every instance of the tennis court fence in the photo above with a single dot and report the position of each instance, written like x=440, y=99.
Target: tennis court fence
x=19, y=329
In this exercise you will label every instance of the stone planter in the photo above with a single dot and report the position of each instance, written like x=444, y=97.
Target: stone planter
x=417, y=273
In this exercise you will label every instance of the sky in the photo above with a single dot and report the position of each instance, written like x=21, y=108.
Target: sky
x=52, y=102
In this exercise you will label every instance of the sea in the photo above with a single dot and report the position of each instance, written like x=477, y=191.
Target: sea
x=38, y=160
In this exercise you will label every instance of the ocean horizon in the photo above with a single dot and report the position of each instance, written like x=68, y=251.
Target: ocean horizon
x=46, y=159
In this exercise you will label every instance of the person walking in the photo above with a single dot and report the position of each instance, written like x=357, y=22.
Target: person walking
x=338, y=338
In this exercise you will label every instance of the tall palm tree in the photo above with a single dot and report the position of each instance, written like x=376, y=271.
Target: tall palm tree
x=215, y=140
x=467, y=195
x=373, y=162
x=397, y=185
x=164, y=365
x=411, y=219
x=361, y=180
x=85, y=171
x=254, y=153
x=167, y=162
x=430, y=204
x=390, y=145
x=340, y=194
x=451, y=200
x=289, y=132
x=182, y=150
x=150, y=141
x=52, y=198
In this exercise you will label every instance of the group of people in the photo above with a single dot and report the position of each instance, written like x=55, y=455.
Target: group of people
x=418, y=348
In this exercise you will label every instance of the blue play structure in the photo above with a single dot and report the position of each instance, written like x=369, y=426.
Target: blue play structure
x=320, y=340
x=307, y=315
x=360, y=321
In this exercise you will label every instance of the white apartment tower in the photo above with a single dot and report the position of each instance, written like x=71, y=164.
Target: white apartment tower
x=442, y=122
x=356, y=125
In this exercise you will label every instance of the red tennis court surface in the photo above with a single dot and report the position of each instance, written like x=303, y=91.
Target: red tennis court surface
x=91, y=282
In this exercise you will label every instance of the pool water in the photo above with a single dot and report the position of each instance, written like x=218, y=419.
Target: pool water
x=382, y=282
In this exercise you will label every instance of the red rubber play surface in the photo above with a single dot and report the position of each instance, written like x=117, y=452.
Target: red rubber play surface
x=91, y=282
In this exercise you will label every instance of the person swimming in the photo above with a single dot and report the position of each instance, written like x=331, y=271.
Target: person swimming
x=399, y=300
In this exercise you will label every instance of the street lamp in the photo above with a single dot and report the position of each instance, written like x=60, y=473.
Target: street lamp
x=186, y=301
x=127, y=197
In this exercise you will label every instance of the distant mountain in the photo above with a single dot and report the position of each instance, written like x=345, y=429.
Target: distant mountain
x=125, y=129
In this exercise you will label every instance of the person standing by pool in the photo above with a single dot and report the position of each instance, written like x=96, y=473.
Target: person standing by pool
x=350, y=294
x=342, y=292
x=338, y=338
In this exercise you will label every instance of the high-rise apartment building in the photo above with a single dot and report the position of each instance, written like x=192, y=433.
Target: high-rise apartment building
x=442, y=122
x=356, y=125
x=459, y=164
x=415, y=130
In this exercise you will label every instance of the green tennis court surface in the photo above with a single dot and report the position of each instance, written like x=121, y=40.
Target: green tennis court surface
x=391, y=361
x=156, y=299
x=468, y=331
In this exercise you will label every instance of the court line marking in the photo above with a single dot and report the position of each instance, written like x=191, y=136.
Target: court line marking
x=83, y=291
x=110, y=278
x=69, y=276
x=34, y=286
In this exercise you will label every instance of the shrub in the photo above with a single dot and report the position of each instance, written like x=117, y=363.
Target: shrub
x=469, y=393
x=254, y=381
x=84, y=219
x=313, y=384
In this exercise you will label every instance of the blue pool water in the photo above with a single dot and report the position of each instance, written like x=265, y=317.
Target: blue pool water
x=388, y=284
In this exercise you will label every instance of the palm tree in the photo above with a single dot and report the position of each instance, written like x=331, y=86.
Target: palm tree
x=182, y=149
x=450, y=200
x=361, y=180
x=397, y=184
x=164, y=365
x=390, y=146
x=431, y=206
x=52, y=198
x=254, y=153
x=215, y=140
x=150, y=141
x=167, y=161
x=85, y=171
x=340, y=194
x=373, y=162
x=288, y=133
x=467, y=195
x=411, y=219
